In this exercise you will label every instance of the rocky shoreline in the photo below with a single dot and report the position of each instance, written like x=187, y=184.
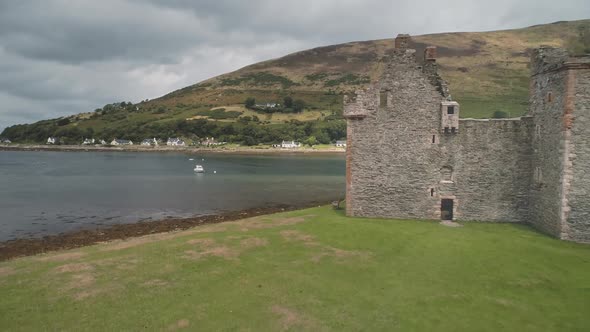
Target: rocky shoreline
x=26, y=247
x=138, y=148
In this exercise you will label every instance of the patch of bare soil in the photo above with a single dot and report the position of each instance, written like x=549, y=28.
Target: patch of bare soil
x=82, y=295
x=74, y=267
x=6, y=271
x=208, y=247
x=181, y=324
x=201, y=242
x=253, y=242
x=83, y=280
x=24, y=247
x=288, y=317
x=68, y=256
x=322, y=250
x=340, y=255
x=219, y=251
x=128, y=243
x=155, y=283
x=82, y=286
x=128, y=262
x=449, y=223
x=246, y=225
x=295, y=235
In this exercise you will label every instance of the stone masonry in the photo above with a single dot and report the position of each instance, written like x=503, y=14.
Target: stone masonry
x=409, y=155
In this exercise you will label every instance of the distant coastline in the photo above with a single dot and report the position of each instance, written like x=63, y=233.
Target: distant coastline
x=139, y=148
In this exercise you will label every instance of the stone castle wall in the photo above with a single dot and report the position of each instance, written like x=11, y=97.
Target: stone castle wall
x=399, y=159
x=405, y=155
x=577, y=227
x=560, y=106
x=391, y=127
x=547, y=99
x=491, y=161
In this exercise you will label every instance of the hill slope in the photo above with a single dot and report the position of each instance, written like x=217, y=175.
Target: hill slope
x=487, y=72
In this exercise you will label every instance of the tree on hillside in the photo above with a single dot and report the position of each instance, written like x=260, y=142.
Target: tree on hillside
x=250, y=102
x=63, y=122
x=311, y=141
x=298, y=106
x=288, y=102
x=249, y=141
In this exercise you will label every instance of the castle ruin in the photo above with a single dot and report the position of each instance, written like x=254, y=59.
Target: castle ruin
x=409, y=155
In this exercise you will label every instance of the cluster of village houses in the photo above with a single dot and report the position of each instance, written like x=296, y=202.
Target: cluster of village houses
x=174, y=141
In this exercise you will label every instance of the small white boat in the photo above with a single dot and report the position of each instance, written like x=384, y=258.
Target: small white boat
x=191, y=159
x=199, y=169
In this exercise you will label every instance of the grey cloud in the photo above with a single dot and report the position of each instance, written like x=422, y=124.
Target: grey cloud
x=60, y=57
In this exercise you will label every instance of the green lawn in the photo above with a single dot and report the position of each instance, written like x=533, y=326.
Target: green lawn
x=313, y=270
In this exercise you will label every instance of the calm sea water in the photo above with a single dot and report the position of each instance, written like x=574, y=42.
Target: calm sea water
x=52, y=192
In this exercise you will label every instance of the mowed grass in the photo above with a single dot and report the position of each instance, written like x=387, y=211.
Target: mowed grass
x=312, y=269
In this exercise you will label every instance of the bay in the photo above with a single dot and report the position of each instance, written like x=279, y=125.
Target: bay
x=43, y=193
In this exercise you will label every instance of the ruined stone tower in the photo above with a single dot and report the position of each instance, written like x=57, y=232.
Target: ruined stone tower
x=410, y=156
x=560, y=108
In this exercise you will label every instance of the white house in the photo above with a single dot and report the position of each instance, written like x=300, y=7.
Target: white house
x=121, y=142
x=175, y=142
x=341, y=144
x=209, y=141
x=290, y=144
x=88, y=141
x=51, y=140
x=103, y=142
x=6, y=141
x=268, y=105
x=149, y=142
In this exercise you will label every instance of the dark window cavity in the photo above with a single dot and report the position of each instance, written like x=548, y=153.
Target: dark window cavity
x=383, y=99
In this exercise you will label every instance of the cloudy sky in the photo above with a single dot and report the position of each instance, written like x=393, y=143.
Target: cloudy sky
x=60, y=57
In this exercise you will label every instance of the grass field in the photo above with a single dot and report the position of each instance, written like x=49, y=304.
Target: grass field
x=313, y=270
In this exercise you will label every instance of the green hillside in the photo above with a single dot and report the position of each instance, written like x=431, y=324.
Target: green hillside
x=487, y=72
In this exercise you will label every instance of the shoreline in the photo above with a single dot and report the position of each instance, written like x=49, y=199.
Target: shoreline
x=138, y=148
x=69, y=240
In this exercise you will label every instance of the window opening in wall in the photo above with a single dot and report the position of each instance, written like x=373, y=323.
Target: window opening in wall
x=446, y=174
x=450, y=109
x=538, y=130
x=549, y=97
x=433, y=139
x=446, y=130
x=383, y=99
x=538, y=175
x=453, y=130
x=446, y=209
x=431, y=192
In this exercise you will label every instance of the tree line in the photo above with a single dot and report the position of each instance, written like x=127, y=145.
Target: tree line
x=249, y=132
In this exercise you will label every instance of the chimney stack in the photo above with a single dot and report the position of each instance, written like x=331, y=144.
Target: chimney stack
x=430, y=54
x=402, y=41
